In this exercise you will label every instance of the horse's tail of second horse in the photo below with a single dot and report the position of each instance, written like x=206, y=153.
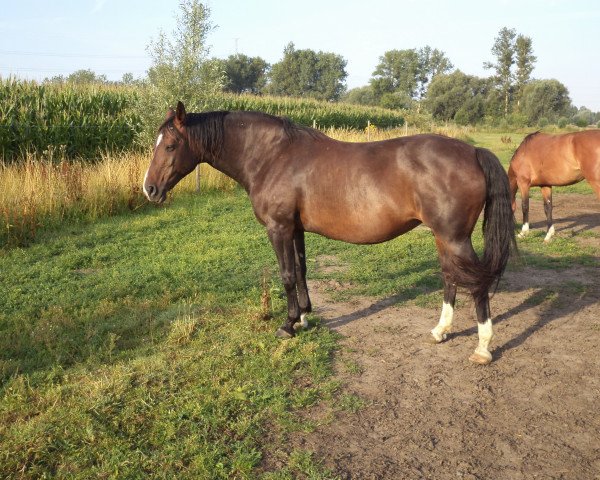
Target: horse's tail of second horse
x=498, y=217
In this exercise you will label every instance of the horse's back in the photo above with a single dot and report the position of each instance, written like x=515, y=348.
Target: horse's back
x=372, y=192
x=551, y=160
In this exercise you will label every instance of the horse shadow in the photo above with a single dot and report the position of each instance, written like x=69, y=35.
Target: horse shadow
x=575, y=224
x=553, y=300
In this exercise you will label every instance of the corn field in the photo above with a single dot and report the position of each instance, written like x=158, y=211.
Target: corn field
x=82, y=121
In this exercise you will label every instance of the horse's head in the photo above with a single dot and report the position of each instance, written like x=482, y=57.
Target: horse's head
x=173, y=159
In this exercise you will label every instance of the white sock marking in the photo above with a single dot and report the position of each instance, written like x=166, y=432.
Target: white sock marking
x=445, y=323
x=486, y=333
x=524, y=230
x=303, y=321
x=550, y=234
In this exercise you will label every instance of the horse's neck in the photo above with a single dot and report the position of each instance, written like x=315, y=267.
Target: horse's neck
x=244, y=153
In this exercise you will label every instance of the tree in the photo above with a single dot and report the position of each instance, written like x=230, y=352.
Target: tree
x=82, y=76
x=431, y=63
x=545, y=99
x=504, y=50
x=458, y=97
x=361, y=96
x=397, y=72
x=525, y=63
x=180, y=67
x=405, y=74
x=245, y=74
x=306, y=73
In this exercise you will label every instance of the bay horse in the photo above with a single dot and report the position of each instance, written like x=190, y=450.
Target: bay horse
x=299, y=180
x=544, y=160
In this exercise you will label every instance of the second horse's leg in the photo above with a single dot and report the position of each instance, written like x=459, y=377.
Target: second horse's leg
x=547, y=194
x=525, y=206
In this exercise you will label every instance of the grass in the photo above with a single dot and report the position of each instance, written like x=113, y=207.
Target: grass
x=133, y=342
x=130, y=348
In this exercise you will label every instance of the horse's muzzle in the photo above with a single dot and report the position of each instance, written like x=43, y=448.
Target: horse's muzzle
x=155, y=194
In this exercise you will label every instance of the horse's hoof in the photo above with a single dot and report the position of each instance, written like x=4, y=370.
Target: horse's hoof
x=481, y=359
x=438, y=337
x=283, y=333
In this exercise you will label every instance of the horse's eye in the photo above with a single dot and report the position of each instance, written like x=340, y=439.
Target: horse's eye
x=170, y=148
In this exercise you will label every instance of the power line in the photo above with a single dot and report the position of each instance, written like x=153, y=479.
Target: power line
x=69, y=55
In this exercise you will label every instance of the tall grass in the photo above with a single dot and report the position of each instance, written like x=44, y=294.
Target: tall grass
x=43, y=191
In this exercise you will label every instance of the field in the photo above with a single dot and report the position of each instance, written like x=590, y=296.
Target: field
x=136, y=342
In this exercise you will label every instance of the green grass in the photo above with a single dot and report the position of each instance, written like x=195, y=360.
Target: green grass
x=133, y=347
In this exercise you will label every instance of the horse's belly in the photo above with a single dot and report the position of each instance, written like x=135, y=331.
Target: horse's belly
x=358, y=227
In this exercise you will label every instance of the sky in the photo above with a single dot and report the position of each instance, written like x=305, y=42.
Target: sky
x=42, y=38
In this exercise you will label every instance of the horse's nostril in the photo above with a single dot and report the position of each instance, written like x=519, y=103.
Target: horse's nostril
x=151, y=189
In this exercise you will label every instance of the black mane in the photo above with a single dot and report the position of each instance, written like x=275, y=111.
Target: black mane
x=206, y=130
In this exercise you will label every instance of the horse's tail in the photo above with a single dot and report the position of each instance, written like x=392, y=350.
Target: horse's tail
x=498, y=217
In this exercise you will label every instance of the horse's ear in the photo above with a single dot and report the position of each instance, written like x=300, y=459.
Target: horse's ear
x=180, y=114
x=170, y=114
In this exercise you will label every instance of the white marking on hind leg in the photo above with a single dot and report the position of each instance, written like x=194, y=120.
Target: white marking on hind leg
x=550, y=234
x=482, y=353
x=445, y=324
x=524, y=230
x=304, y=321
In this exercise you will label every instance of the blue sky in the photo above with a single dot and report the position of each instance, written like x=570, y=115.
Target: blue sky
x=42, y=38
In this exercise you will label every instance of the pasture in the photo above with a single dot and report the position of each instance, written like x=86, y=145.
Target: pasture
x=136, y=346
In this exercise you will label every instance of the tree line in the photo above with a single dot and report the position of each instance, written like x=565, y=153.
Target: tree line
x=422, y=80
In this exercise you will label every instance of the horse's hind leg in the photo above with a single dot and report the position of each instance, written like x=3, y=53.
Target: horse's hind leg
x=485, y=332
x=462, y=267
x=547, y=194
x=444, y=326
x=302, y=287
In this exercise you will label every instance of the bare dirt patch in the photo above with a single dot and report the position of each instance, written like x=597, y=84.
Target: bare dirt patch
x=429, y=413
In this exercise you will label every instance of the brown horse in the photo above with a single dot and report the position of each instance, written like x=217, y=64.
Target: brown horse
x=299, y=180
x=545, y=161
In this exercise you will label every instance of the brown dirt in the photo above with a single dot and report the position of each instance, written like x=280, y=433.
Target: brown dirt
x=430, y=413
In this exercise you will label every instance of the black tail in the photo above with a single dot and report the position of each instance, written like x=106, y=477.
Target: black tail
x=498, y=217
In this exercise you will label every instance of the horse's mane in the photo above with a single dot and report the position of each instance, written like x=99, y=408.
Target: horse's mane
x=206, y=130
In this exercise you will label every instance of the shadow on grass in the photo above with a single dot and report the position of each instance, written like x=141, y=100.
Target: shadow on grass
x=558, y=299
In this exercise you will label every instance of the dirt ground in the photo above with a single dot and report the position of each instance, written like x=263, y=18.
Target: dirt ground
x=429, y=413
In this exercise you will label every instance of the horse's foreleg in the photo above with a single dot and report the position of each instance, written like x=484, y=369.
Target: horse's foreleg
x=300, y=258
x=525, y=207
x=282, y=240
x=444, y=326
x=547, y=194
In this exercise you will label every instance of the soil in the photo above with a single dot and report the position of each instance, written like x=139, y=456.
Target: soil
x=427, y=412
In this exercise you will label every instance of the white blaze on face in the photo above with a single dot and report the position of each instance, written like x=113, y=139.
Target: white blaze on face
x=445, y=323
x=158, y=140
